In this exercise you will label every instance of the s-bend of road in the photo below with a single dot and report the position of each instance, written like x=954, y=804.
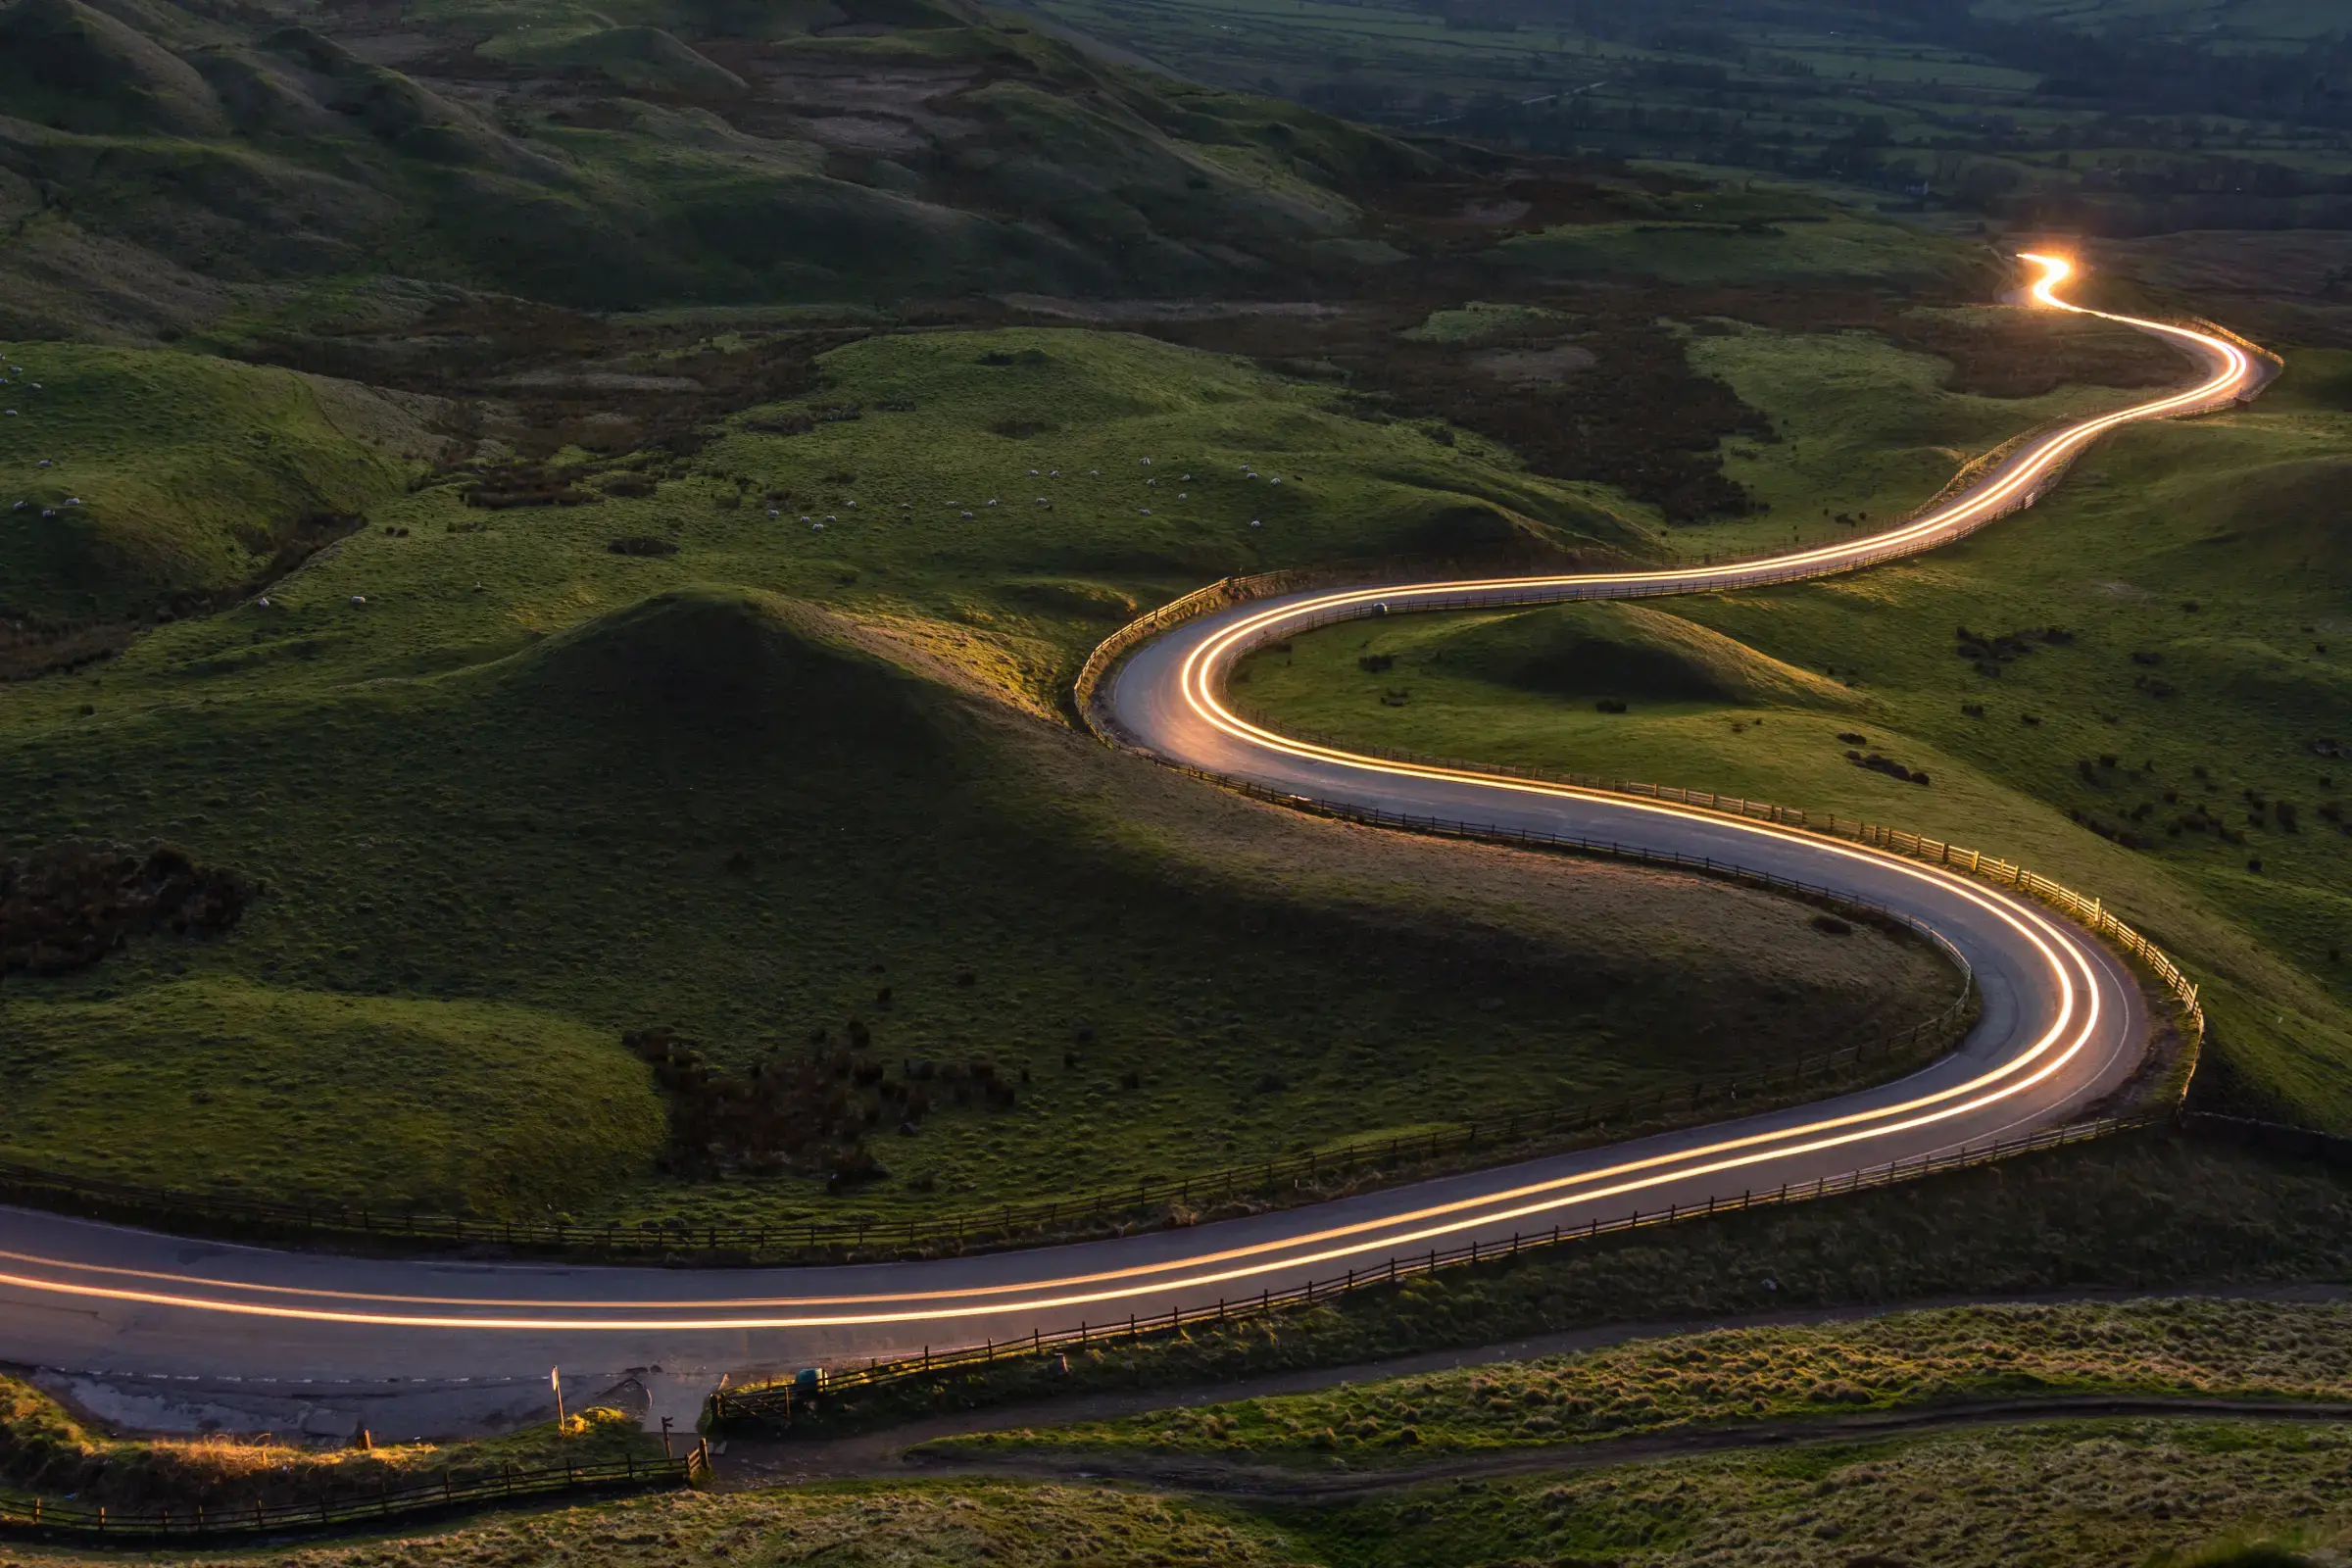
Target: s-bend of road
x=163, y=1331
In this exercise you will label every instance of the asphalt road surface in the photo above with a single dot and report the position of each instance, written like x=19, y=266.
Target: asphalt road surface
x=164, y=1333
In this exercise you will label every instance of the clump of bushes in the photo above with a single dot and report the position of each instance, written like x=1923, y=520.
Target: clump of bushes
x=529, y=484
x=639, y=544
x=67, y=906
x=1988, y=651
x=1887, y=765
x=2123, y=836
x=802, y=1113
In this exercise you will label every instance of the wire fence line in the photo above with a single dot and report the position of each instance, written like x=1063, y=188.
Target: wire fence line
x=774, y=1406
x=41, y=1518
x=2278, y=1138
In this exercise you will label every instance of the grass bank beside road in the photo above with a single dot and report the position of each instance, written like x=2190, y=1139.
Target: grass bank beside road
x=2124, y=1491
x=2180, y=1348
x=47, y=1453
x=2141, y=1211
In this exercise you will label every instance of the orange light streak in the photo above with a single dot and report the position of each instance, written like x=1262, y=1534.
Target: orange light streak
x=2063, y=951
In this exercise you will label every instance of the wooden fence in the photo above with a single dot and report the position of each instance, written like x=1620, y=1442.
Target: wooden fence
x=771, y=1407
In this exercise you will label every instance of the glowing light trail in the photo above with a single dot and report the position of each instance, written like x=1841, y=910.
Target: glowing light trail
x=2059, y=951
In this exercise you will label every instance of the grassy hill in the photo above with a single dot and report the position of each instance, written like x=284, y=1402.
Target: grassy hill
x=799, y=795
x=2171, y=745
x=206, y=157
x=2016, y=114
x=139, y=483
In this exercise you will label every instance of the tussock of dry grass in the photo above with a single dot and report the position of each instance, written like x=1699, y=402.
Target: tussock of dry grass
x=44, y=1450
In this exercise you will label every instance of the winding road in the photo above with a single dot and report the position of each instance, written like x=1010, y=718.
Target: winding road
x=162, y=1332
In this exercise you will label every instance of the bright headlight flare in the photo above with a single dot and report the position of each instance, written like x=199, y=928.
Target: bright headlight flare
x=2055, y=269
x=2064, y=952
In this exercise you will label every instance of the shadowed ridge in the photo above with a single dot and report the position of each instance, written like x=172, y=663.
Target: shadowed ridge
x=64, y=65
x=707, y=662
x=647, y=58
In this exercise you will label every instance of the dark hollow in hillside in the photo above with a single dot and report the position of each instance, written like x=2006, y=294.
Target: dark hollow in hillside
x=67, y=906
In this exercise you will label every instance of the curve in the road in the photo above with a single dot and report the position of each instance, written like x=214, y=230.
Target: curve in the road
x=2062, y=1023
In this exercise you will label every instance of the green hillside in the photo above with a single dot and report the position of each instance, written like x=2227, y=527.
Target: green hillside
x=552, y=752
x=2137, y=687
x=136, y=482
x=203, y=157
